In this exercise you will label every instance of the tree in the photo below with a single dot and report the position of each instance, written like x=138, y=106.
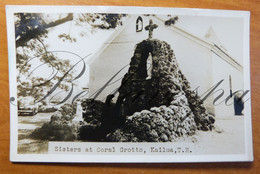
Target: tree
x=172, y=20
x=30, y=26
x=31, y=30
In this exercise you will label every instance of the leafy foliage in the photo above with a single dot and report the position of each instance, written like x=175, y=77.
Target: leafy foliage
x=65, y=37
x=101, y=20
x=60, y=127
x=32, y=25
x=31, y=32
x=172, y=20
x=55, y=132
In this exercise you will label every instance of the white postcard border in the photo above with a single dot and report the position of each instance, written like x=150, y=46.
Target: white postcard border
x=10, y=10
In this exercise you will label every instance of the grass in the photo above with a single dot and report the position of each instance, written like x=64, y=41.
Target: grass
x=28, y=146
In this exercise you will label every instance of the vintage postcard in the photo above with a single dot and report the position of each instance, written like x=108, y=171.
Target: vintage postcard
x=128, y=84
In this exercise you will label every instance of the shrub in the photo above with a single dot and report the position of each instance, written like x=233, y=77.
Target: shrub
x=60, y=127
x=55, y=132
x=47, y=109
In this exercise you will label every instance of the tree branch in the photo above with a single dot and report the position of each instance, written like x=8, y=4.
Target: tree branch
x=32, y=34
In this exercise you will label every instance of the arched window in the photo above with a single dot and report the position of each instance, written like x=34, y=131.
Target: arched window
x=139, y=24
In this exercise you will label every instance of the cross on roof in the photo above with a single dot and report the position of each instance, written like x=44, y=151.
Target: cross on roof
x=151, y=27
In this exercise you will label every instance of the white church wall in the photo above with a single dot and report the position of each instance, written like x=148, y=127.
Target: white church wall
x=223, y=70
x=114, y=57
x=194, y=59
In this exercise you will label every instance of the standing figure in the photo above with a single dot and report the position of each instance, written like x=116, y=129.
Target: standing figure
x=149, y=66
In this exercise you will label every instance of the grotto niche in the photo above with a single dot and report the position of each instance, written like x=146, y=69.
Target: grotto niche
x=155, y=103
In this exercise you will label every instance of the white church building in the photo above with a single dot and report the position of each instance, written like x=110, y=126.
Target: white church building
x=203, y=60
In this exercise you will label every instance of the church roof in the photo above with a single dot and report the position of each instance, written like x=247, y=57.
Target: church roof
x=210, y=41
x=212, y=37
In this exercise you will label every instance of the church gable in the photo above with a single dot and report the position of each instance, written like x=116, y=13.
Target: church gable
x=190, y=50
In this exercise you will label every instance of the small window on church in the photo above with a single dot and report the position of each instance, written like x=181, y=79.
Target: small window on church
x=139, y=24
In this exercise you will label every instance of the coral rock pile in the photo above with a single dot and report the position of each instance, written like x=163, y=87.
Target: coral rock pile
x=159, y=108
x=159, y=124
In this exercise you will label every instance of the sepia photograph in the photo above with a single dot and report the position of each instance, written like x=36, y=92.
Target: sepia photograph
x=90, y=84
